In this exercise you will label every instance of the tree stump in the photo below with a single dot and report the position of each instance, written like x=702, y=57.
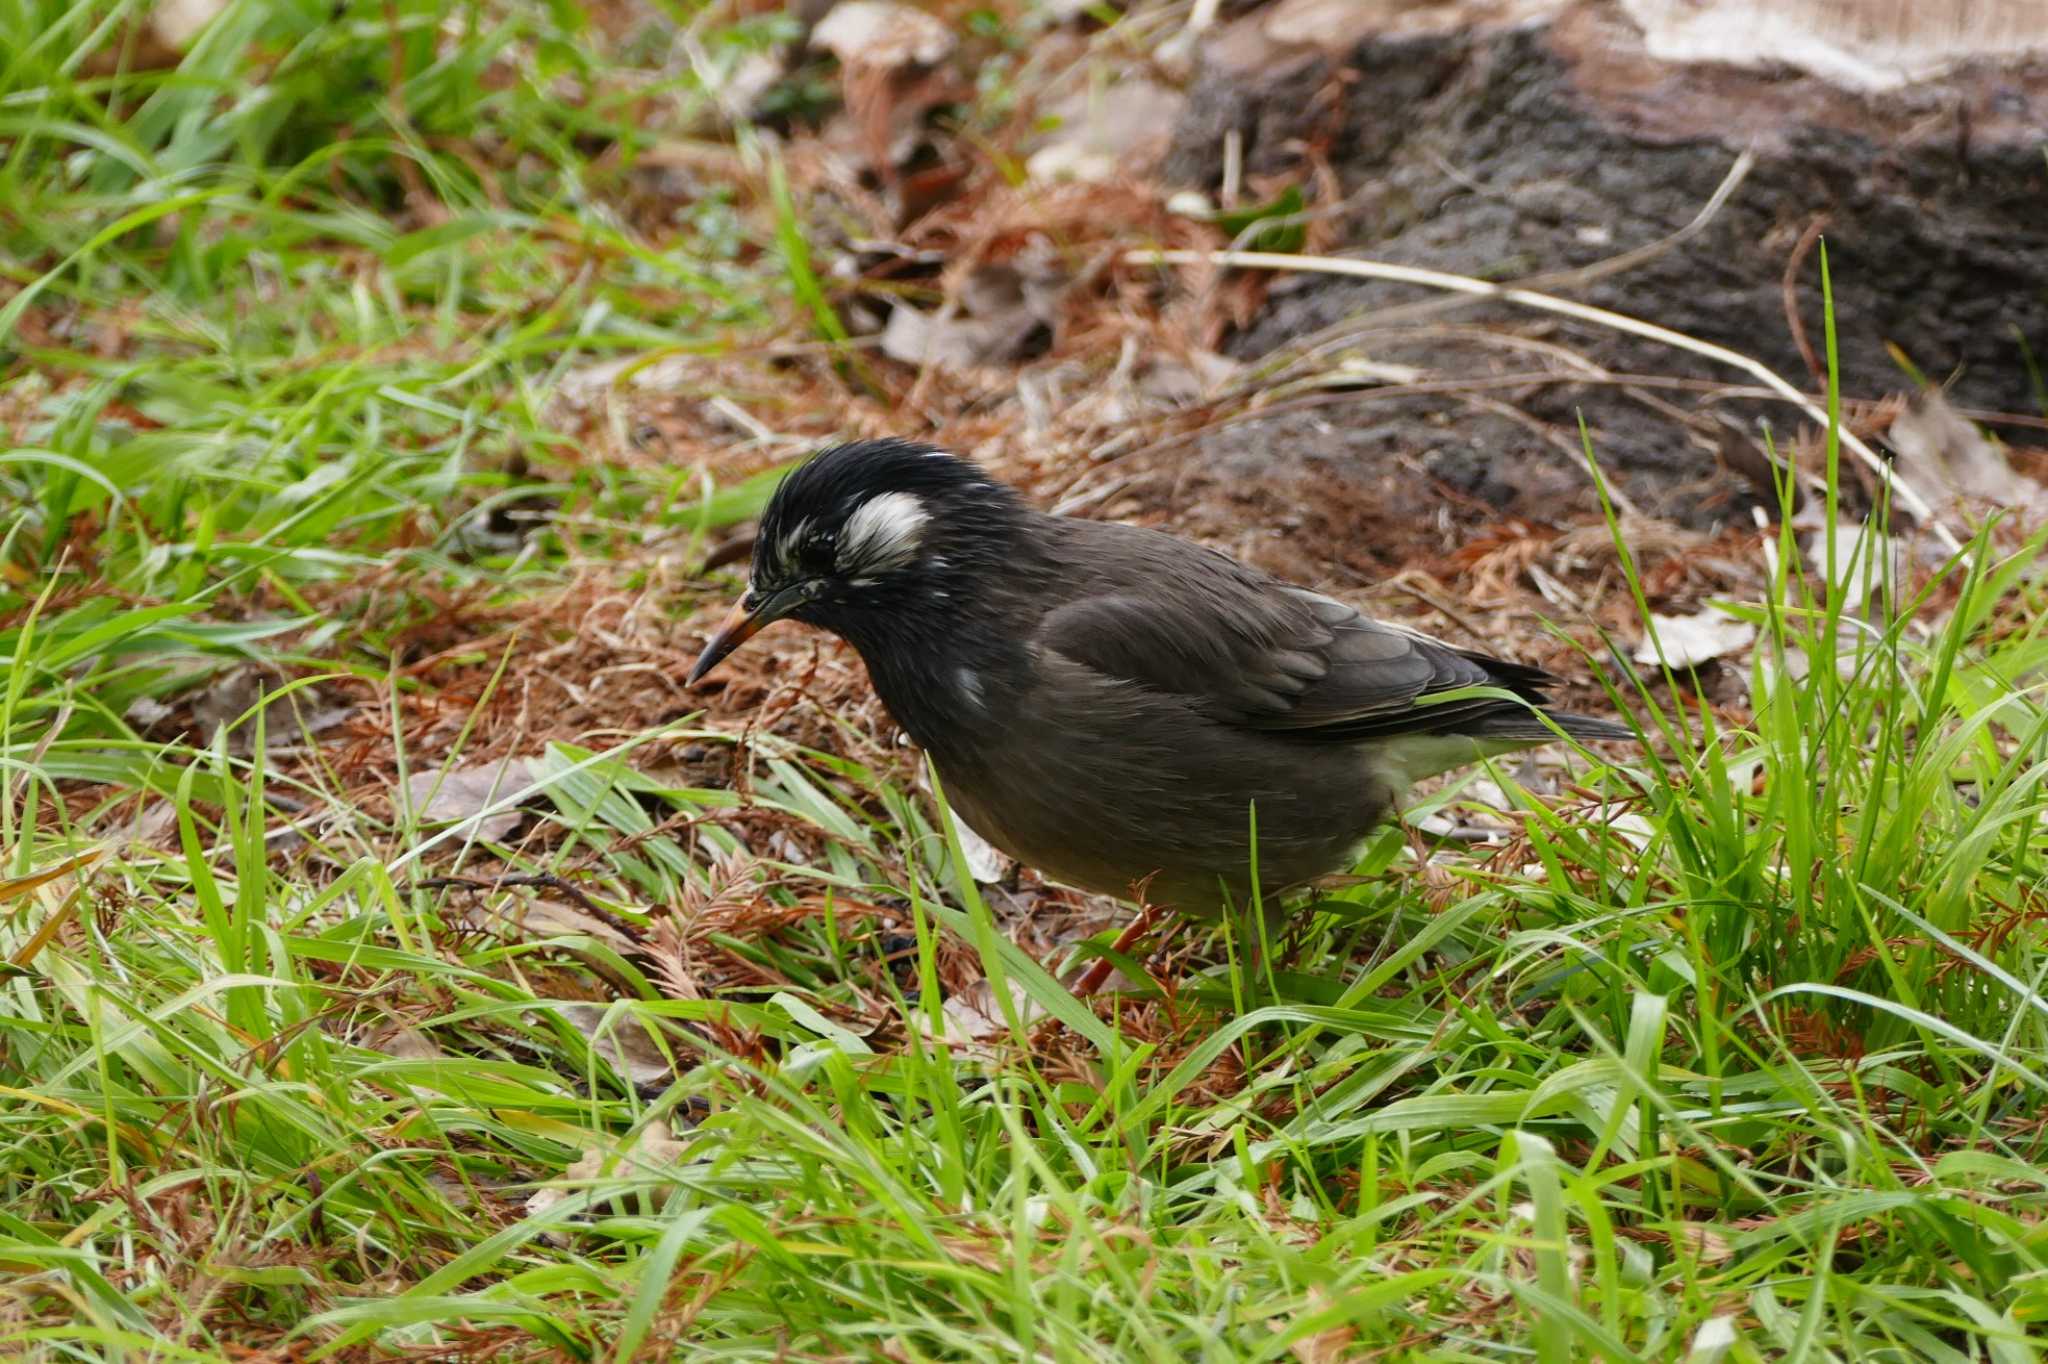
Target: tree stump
x=1527, y=138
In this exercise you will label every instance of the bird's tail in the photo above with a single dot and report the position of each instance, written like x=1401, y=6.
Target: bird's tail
x=1514, y=724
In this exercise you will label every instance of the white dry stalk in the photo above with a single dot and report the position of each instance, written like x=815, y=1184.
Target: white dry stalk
x=1355, y=268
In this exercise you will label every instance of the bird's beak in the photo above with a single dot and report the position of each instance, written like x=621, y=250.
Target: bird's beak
x=741, y=624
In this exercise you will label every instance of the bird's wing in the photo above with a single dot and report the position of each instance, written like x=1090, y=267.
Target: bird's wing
x=1259, y=654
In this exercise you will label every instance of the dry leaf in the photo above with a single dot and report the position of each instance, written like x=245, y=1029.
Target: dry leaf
x=177, y=23
x=985, y=861
x=999, y=310
x=231, y=697
x=972, y=1015
x=1865, y=558
x=1945, y=453
x=624, y=1044
x=403, y=1042
x=1099, y=130
x=231, y=694
x=1328, y=1345
x=146, y=712
x=593, y=385
x=554, y=916
x=1177, y=381
x=878, y=33
x=16, y=887
x=1712, y=1342
x=1706, y=1243
x=443, y=795
x=1688, y=641
x=742, y=88
x=919, y=338
x=151, y=823
x=653, y=1149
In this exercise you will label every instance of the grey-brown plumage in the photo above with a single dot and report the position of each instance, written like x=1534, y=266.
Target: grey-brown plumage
x=1110, y=704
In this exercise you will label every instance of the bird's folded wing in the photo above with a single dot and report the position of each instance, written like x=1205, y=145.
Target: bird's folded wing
x=1267, y=656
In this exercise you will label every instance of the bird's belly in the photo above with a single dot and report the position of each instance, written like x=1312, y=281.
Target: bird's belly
x=1171, y=817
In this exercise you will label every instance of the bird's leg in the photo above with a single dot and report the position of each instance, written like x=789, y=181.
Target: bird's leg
x=1099, y=969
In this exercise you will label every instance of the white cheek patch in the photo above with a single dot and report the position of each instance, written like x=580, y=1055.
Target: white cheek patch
x=883, y=533
x=791, y=542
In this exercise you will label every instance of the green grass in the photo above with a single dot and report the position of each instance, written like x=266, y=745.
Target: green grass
x=1754, y=1073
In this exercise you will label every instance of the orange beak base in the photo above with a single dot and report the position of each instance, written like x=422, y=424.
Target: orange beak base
x=739, y=626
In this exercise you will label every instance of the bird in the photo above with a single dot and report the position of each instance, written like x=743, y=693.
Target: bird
x=1126, y=711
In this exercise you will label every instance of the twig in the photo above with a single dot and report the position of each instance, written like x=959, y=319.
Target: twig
x=1404, y=581
x=1556, y=280
x=1901, y=491
x=1649, y=251
x=1790, y=287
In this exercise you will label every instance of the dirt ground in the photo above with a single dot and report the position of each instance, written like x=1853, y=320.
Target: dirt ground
x=989, y=276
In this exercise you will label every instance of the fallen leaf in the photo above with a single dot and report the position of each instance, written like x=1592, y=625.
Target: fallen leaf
x=232, y=696
x=1865, y=559
x=920, y=338
x=227, y=698
x=740, y=91
x=985, y=861
x=543, y=917
x=1688, y=641
x=882, y=34
x=444, y=795
x=1100, y=133
x=624, y=1044
x=1706, y=1243
x=1937, y=445
x=14, y=887
x=20, y=887
x=146, y=712
x=540, y=1201
x=972, y=1014
x=177, y=23
x=592, y=384
x=1328, y=1345
x=152, y=823
x=653, y=1150
x=1712, y=1342
x=1000, y=308
x=406, y=1043
x=1177, y=381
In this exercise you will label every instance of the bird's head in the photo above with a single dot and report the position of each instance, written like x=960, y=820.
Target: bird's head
x=864, y=535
